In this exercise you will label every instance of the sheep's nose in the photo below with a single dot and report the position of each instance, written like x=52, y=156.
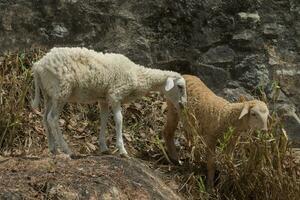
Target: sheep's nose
x=181, y=105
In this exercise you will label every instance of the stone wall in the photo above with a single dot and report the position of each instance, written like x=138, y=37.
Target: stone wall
x=238, y=47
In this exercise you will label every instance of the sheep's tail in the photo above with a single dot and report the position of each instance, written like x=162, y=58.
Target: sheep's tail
x=37, y=97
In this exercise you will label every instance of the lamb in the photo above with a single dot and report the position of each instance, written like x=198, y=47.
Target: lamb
x=79, y=75
x=214, y=115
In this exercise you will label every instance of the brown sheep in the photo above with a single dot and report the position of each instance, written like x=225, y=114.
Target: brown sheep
x=212, y=116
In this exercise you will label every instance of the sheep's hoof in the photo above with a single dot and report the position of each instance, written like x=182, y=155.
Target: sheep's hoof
x=76, y=156
x=53, y=152
x=64, y=156
x=106, y=152
x=124, y=155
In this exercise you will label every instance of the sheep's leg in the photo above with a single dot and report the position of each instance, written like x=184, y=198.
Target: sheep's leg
x=50, y=137
x=169, y=131
x=52, y=119
x=210, y=172
x=210, y=168
x=104, y=118
x=117, y=110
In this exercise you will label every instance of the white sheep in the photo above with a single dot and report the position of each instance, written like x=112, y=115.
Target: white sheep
x=212, y=116
x=81, y=75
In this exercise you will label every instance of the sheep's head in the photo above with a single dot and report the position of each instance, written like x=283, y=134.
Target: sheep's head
x=175, y=91
x=257, y=114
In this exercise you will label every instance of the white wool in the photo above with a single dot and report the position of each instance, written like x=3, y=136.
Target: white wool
x=82, y=75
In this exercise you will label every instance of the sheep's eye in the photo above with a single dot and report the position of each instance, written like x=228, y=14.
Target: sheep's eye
x=253, y=114
x=180, y=86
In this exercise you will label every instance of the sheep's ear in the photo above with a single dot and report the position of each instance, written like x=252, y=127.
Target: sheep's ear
x=169, y=84
x=245, y=110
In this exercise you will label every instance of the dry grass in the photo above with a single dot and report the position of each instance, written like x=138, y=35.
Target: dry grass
x=261, y=166
x=15, y=87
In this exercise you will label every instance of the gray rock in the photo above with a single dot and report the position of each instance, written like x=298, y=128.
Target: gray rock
x=219, y=55
x=43, y=32
x=59, y=30
x=252, y=72
x=297, y=28
x=273, y=29
x=289, y=83
x=209, y=37
x=233, y=84
x=7, y=21
x=69, y=1
x=214, y=77
x=234, y=94
x=291, y=122
x=275, y=94
x=249, y=17
x=247, y=40
x=179, y=65
x=245, y=35
x=295, y=6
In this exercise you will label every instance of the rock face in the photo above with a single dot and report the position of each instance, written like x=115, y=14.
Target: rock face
x=251, y=45
x=92, y=177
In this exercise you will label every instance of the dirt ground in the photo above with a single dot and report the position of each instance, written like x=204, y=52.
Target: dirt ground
x=88, y=177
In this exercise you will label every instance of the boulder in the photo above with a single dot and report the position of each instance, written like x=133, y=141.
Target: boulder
x=291, y=122
x=235, y=94
x=252, y=72
x=220, y=55
x=273, y=30
x=245, y=35
x=289, y=80
x=214, y=77
x=249, y=17
x=92, y=177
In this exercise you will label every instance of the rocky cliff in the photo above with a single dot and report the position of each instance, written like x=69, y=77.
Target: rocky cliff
x=238, y=47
